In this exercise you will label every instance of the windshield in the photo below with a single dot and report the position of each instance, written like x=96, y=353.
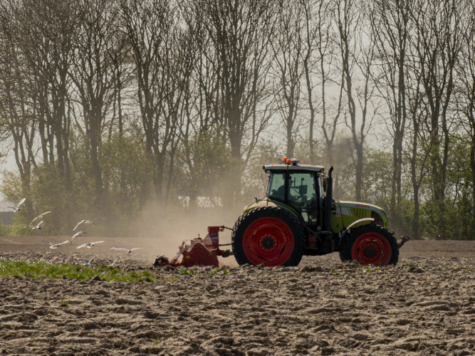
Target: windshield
x=301, y=189
x=276, y=188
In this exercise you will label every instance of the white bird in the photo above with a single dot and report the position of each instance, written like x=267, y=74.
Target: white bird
x=39, y=216
x=90, y=244
x=37, y=227
x=79, y=234
x=55, y=246
x=113, y=263
x=128, y=251
x=17, y=208
x=84, y=222
x=88, y=263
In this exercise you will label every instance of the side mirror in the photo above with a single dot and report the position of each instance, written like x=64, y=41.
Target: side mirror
x=303, y=190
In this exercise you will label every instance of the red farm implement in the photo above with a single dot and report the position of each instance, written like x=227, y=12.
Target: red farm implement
x=200, y=252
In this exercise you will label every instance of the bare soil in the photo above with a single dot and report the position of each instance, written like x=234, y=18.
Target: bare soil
x=425, y=305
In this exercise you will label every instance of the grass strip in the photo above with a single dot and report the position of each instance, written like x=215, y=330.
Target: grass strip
x=42, y=270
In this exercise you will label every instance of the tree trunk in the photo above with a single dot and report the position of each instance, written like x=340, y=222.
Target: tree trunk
x=415, y=221
x=96, y=168
x=472, y=166
x=290, y=126
x=359, y=171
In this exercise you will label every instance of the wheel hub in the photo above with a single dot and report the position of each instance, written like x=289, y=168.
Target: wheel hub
x=371, y=248
x=268, y=242
x=370, y=251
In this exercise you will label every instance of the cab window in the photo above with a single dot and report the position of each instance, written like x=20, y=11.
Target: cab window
x=276, y=188
x=301, y=189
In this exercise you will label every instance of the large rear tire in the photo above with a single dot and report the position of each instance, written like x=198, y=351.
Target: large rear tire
x=269, y=236
x=371, y=244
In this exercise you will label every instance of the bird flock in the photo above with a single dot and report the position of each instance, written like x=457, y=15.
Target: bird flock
x=54, y=246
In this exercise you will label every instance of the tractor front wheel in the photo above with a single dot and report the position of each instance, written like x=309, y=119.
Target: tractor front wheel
x=371, y=244
x=269, y=236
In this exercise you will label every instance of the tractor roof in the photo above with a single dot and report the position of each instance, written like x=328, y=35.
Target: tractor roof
x=293, y=167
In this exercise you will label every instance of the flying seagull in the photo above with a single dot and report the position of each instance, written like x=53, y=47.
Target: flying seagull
x=37, y=227
x=55, y=246
x=79, y=234
x=39, y=216
x=90, y=244
x=128, y=251
x=17, y=208
x=84, y=222
x=113, y=263
x=88, y=263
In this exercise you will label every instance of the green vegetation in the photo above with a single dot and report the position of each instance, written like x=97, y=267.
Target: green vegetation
x=219, y=271
x=42, y=270
x=193, y=272
x=187, y=271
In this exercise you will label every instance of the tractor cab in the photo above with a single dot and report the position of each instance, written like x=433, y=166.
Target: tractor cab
x=299, y=187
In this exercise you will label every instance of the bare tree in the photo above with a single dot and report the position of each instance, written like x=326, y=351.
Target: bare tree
x=357, y=61
x=391, y=25
x=239, y=33
x=318, y=56
x=45, y=39
x=15, y=104
x=37, y=53
x=93, y=80
x=164, y=55
x=418, y=142
x=437, y=45
x=288, y=69
x=123, y=78
x=198, y=124
x=465, y=87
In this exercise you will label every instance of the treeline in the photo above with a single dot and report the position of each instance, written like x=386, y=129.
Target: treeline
x=112, y=105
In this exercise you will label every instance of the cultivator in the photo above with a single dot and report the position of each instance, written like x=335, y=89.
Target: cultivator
x=200, y=252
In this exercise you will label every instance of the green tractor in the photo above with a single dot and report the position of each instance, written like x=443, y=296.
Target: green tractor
x=299, y=217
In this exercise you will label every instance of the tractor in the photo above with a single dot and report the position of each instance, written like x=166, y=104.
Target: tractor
x=299, y=217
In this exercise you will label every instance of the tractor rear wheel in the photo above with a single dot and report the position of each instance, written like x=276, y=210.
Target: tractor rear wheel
x=371, y=244
x=269, y=236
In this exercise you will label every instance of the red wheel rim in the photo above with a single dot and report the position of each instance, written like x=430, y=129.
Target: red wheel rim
x=371, y=248
x=268, y=241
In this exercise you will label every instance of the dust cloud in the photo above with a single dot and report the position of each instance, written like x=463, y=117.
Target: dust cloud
x=165, y=228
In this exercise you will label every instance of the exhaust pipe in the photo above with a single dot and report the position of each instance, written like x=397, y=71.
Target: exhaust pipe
x=328, y=201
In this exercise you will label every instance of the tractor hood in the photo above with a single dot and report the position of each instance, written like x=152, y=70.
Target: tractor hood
x=350, y=211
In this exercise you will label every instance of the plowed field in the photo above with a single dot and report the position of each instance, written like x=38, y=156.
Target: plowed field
x=425, y=306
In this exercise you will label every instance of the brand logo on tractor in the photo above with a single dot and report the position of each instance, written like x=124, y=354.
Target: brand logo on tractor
x=362, y=206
